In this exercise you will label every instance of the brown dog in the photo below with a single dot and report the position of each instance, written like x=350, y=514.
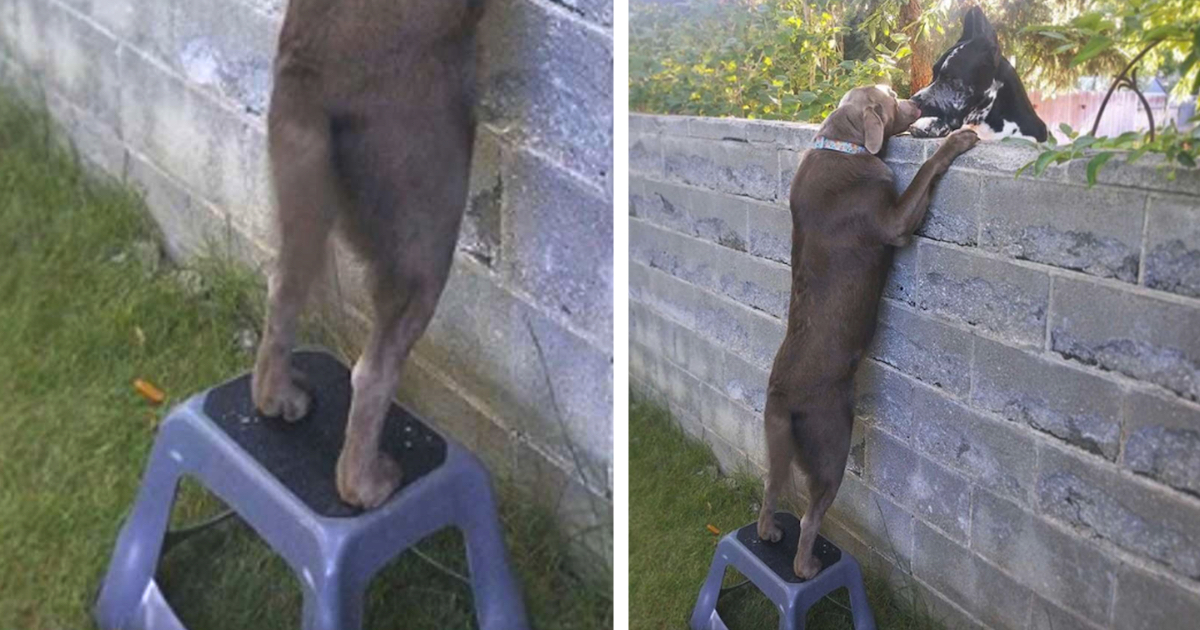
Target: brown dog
x=370, y=128
x=847, y=221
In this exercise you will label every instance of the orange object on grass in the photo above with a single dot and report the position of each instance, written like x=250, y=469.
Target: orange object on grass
x=714, y=530
x=149, y=391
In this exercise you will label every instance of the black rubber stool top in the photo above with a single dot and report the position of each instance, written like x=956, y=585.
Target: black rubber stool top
x=780, y=555
x=303, y=455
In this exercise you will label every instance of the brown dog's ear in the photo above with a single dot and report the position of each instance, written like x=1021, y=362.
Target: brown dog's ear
x=873, y=128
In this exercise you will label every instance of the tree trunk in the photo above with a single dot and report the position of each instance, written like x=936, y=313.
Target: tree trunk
x=920, y=69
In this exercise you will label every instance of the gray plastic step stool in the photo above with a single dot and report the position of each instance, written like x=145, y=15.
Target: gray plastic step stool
x=279, y=478
x=769, y=567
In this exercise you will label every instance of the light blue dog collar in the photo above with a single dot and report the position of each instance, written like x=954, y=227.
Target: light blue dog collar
x=838, y=145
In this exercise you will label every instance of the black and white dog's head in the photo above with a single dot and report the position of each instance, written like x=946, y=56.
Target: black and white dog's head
x=974, y=85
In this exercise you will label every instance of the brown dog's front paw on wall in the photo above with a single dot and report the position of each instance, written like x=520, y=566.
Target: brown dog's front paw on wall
x=367, y=485
x=961, y=140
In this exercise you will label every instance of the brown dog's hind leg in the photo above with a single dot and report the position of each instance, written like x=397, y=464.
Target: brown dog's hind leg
x=307, y=197
x=404, y=221
x=823, y=458
x=781, y=451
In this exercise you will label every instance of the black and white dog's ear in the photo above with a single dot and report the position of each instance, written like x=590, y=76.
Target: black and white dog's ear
x=975, y=24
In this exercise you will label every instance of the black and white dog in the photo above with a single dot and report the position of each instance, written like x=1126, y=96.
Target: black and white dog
x=975, y=86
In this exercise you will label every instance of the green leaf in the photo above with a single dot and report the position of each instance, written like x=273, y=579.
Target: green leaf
x=1165, y=30
x=1083, y=142
x=807, y=97
x=1051, y=141
x=1043, y=161
x=1186, y=159
x=1024, y=142
x=1054, y=35
x=1065, y=128
x=1094, y=165
x=1095, y=46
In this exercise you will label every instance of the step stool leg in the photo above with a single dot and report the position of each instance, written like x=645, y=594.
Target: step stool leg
x=793, y=616
x=706, y=603
x=498, y=600
x=139, y=544
x=333, y=602
x=864, y=619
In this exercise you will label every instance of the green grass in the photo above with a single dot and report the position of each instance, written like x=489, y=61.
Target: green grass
x=675, y=492
x=80, y=318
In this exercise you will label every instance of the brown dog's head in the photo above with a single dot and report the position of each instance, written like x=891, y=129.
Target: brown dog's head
x=868, y=116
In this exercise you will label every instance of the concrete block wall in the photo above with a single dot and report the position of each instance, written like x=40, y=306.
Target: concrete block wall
x=170, y=97
x=1027, y=443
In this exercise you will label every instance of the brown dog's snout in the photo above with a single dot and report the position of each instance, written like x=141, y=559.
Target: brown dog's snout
x=909, y=111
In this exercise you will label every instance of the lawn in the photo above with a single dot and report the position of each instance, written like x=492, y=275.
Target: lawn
x=86, y=307
x=675, y=492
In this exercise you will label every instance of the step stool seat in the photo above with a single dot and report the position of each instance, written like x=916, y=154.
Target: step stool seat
x=768, y=566
x=279, y=477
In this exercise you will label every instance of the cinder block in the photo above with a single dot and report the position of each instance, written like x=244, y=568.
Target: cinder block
x=1146, y=602
x=97, y=144
x=30, y=30
x=189, y=226
x=1163, y=440
x=188, y=135
x=734, y=327
x=644, y=123
x=743, y=382
x=1137, y=335
x=1173, y=245
x=954, y=209
x=713, y=217
x=429, y=394
x=690, y=351
x=905, y=150
x=226, y=48
x=788, y=135
x=991, y=453
x=1004, y=299
x=493, y=354
x=1077, y=407
x=759, y=284
x=645, y=154
x=884, y=398
x=1094, y=498
x=1058, y=566
x=789, y=163
x=770, y=230
x=480, y=235
x=547, y=82
x=557, y=242
x=597, y=11
x=1097, y=231
x=735, y=129
x=147, y=26
x=924, y=349
x=80, y=62
x=720, y=218
x=931, y=492
x=1151, y=172
x=883, y=525
x=967, y=580
x=902, y=278
x=999, y=157
x=732, y=167
x=1046, y=615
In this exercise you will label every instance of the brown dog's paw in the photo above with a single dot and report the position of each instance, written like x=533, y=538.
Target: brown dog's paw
x=767, y=529
x=278, y=396
x=806, y=568
x=961, y=140
x=367, y=486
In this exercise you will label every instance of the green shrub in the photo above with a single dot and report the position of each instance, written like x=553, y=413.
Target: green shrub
x=784, y=59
